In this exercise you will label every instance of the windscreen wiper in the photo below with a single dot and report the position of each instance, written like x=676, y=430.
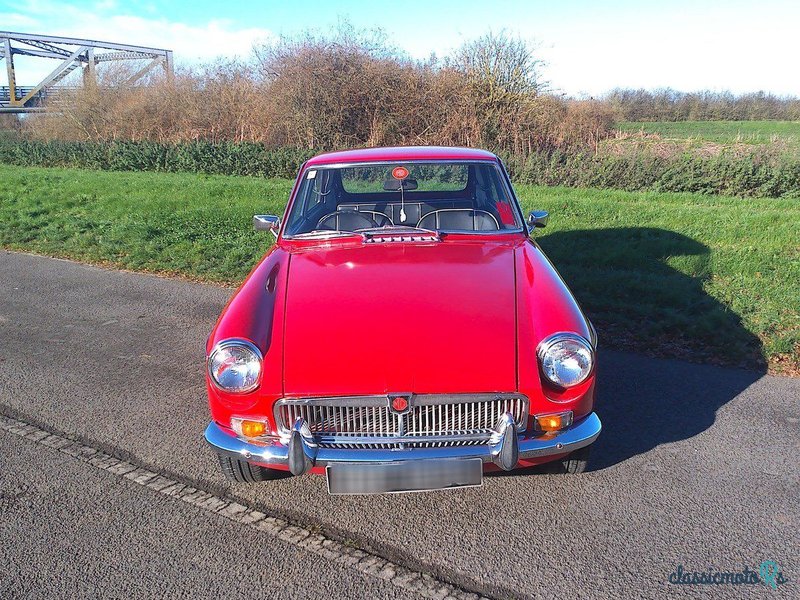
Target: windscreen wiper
x=325, y=234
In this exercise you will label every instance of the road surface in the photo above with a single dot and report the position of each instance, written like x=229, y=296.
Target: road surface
x=696, y=466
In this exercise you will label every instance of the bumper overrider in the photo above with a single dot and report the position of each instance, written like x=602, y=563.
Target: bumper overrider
x=506, y=447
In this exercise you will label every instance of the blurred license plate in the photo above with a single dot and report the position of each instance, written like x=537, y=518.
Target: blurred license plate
x=404, y=476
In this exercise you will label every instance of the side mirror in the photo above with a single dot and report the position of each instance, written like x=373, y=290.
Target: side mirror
x=269, y=223
x=538, y=218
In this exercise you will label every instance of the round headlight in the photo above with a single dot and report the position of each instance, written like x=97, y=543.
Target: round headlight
x=235, y=365
x=566, y=359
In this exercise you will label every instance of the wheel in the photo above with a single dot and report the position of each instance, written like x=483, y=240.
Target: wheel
x=577, y=461
x=243, y=472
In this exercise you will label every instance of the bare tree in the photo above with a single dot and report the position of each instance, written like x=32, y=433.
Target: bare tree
x=503, y=74
x=344, y=88
x=501, y=65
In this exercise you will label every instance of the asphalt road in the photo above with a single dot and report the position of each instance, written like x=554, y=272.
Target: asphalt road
x=70, y=530
x=696, y=466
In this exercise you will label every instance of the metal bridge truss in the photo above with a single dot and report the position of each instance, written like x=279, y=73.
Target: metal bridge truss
x=71, y=54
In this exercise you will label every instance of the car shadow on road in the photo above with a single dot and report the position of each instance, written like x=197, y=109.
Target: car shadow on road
x=627, y=282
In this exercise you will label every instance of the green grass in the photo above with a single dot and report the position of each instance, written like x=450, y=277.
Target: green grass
x=199, y=226
x=694, y=275
x=704, y=277
x=722, y=132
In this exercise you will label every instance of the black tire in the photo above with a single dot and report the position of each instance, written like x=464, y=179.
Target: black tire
x=577, y=461
x=243, y=472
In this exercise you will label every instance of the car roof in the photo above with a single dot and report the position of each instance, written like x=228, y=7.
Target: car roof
x=400, y=154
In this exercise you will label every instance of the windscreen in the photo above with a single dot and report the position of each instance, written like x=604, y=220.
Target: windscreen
x=440, y=196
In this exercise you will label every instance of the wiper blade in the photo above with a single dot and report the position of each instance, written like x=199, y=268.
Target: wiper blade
x=397, y=233
x=324, y=234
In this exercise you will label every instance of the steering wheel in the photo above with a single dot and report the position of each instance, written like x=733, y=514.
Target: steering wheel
x=346, y=220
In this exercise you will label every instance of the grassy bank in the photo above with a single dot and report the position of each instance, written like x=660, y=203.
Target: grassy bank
x=722, y=132
x=702, y=277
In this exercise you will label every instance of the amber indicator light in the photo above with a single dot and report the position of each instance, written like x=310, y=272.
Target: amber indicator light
x=253, y=428
x=550, y=422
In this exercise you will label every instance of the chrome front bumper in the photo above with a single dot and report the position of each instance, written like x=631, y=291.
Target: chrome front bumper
x=300, y=453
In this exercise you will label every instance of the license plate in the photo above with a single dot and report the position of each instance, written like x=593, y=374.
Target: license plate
x=404, y=476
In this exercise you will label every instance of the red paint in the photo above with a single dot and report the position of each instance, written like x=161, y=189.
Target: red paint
x=383, y=318
x=346, y=318
x=545, y=306
x=254, y=312
x=400, y=154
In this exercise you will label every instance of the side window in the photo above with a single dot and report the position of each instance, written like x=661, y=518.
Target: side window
x=504, y=208
x=314, y=200
x=318, y=190
x=491, y=196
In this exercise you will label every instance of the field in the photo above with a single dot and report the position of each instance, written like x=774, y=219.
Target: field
x=708, y=278
x=721, y=132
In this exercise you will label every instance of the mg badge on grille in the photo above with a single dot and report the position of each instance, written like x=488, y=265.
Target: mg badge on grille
x=400, y=404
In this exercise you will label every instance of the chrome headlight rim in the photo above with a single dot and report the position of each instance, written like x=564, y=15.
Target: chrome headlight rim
x=547, y=343
x=241, y=343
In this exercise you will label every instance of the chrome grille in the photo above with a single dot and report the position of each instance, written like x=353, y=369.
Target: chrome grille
x=431, y=421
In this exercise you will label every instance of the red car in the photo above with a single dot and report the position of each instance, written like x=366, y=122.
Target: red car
x=403, y=334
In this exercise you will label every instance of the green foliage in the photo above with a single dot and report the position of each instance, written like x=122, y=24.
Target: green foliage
x=709, y=277
x=750, y=175
x=225, y=158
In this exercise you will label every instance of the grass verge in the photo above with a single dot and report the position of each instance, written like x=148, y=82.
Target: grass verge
x=701, y=277
x=722, y=132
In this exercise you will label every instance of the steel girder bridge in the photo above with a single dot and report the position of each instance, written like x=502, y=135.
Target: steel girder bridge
x=71, y=54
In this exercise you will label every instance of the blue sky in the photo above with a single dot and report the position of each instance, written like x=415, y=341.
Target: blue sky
x=589, y=47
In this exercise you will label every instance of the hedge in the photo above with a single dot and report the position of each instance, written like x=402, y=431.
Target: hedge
x=196, y=157
x=750, y=175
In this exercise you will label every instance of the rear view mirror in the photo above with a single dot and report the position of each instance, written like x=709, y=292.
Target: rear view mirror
x=393, y=185
x=269, y=223
x=538, y=218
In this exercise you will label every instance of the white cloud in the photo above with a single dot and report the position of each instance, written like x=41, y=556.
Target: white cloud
x=190, y=43
x=15, y=21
